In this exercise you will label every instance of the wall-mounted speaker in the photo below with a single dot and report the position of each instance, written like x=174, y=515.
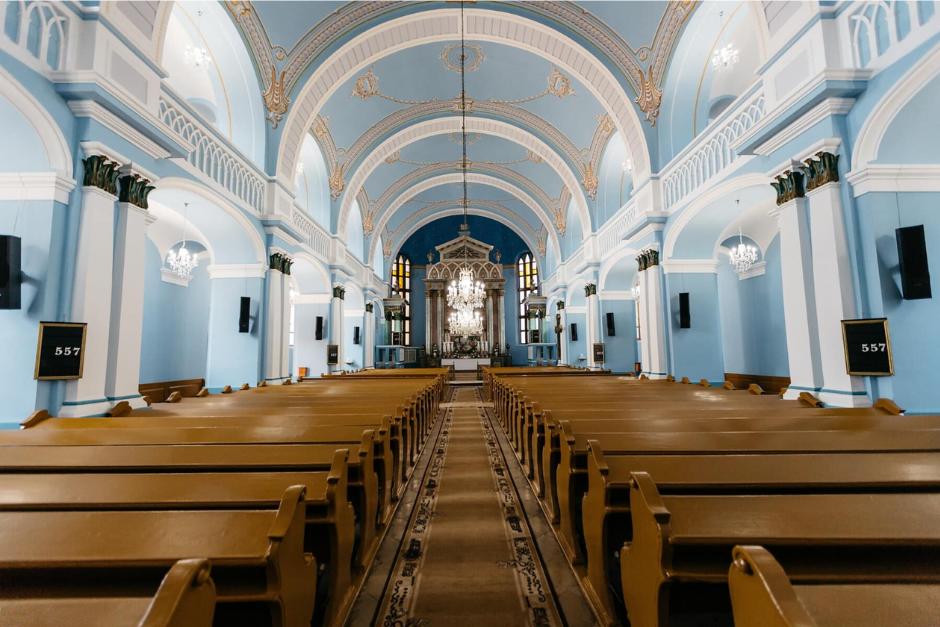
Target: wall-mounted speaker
x=685, y=315
x=10, y=279
x=610, y=324
x=319, y=335
x=912, y=258
x=574, y=332
x=355, y=335
x=244, y=314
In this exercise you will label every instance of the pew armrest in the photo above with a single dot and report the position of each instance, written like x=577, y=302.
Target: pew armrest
x=888, y=406
x=761, y=593
x=186, y=597
x=292, y=499
x=35, y=418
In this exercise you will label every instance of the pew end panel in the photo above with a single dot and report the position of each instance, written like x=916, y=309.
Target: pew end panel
x=761, y=594
x=186, y=597
x=644, y=560
x=292, y=572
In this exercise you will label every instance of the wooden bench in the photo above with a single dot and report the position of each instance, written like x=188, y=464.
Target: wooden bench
x=185, y=598
x=261, y=572
x=681, y=548
x=763, y=596
x=330, y=519
x=606, y=505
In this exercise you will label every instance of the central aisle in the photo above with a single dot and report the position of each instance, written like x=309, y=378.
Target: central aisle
x=468, y=555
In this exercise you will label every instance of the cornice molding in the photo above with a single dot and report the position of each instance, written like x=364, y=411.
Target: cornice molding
x=237, y=271
x=758, y=269
x=827, y=108
x=168, y=276
x=690, y=266
x=895, y=178
x=35, y=186
x=94, y=110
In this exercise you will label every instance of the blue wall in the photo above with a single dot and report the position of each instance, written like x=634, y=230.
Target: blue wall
x=503, y=239
x=308, y=351
x=579, y=348
x=176, y=324
x=233, y=358
x=41, y=226
x=753, y=330
x=696, y=351
x=620, y=350
x=418, y=314
x=913, y=324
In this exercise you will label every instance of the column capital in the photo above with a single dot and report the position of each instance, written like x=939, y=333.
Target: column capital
x=101, y=172
x=370, y=308
x=647, y=259
x=134, y=189
x=590, y=289
x=560, y=305
x=339, y=292
x=822, y=170
x=280, y=262
x=789, y=185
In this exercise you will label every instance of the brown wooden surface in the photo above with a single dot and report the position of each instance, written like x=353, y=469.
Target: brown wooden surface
x=158, y=391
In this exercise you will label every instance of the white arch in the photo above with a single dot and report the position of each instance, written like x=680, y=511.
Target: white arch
x=444, y=25
x=260, y=250
x=610, y=262
x=717, y=192
x=472, y=177
x=318, y=269
x=444, y=126
x=872, y=133
x=53, y=141
x=456, y=211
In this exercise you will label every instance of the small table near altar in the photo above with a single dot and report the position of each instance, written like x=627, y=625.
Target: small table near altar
x=465, y=364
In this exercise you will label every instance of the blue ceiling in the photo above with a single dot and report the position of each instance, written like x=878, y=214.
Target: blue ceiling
x=504, y=240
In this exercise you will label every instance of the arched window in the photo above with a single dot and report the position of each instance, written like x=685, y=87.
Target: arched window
x=401, y=286
x=527, y=281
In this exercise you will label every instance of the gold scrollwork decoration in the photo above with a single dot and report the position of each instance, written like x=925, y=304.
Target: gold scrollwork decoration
x=275, y=98
x=650, y=97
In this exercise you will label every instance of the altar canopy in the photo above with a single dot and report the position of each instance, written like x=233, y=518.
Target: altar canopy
x=463, y=252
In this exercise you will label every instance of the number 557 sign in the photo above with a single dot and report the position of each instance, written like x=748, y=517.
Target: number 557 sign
x=867, y=347
x=60, y=353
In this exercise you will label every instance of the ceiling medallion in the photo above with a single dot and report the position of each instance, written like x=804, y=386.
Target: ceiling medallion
x=474, y=57
x=367, y=85
x=558, y=84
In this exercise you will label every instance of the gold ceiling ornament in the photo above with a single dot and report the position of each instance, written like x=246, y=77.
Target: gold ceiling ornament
x=460, y=103
x=337, y=184
x=532, y=157
x=590, y=180
x=275, y=98
x=542, y=241
x=368, y=220
x=605, y=124
x=279, y=52
x=239, y=9
x=471, y=63
x=395, y=157
x=386, y=245
x=559, y=213
x=650, y=96
x=559, y=85
x=321, y=128
x=367, y=85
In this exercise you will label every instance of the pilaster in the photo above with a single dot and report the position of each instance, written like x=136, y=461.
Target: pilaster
x=336, y=324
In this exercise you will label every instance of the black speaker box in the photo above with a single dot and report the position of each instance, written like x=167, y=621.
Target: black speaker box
x=355, y=335
x=912, y=258
x=10, y=279
x=685, y=316
x=574, y=332
x=610, y=324
x=319, y=335
x=244, y=315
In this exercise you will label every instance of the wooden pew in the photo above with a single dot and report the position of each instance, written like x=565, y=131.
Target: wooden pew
x=606, y=505
x=763, y=596
x=261, y=572
x=679, y=554
x=330, y=519
x=185, y=598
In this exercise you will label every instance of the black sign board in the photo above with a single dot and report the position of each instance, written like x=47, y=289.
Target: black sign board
x=599, y=353
x=867, y=347
x=60, y=352
x=332, y=354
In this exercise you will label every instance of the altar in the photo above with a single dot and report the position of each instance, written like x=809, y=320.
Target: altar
x=465, y=364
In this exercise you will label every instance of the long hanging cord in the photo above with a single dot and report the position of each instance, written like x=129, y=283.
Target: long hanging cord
x=463, y=113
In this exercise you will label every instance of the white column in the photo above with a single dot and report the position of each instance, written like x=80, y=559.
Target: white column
x=501, y=314
x=285, y=327
x=336, y=325
x=563, y=334
x=835, y=296
x=127, y=305
x=593, y=330
x=490, y=318
x=91, y=302
x=368, y=337
x=274, y=321
x=439, y=321
x=643, y=315
x=427, y=320
x=655, y=340
x=799, y=309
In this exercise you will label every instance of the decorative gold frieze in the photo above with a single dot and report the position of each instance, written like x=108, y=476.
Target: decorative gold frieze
x=275, y=98
x=337, y=183
x=650, y=96
x=590, y=180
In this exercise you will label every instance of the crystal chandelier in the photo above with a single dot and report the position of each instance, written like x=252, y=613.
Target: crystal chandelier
x=465, y=322
x=725, y=57
x=196, y=56
x=181, y=262
x=465, y=293
x=743, y=256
